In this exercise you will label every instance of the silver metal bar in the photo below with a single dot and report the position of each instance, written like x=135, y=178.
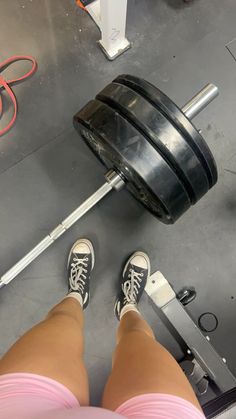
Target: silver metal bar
x=164, y=297
x=192, y=108
x=114, y=181
x=200, y=101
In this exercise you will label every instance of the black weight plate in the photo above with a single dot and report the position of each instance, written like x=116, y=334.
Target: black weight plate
x=176, y=117
x=162, y=134
x=121, y=147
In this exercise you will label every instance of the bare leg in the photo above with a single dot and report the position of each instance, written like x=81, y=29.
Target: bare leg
x=141, y=366
x=53, y=348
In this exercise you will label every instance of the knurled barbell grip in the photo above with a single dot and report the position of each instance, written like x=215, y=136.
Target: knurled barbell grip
x=113, y=181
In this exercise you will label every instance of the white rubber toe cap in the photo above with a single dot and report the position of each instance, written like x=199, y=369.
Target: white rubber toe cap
x=139, y=259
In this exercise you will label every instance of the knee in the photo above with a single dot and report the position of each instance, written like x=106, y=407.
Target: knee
x=70, y=312
x=137, y=331
x=135, y=337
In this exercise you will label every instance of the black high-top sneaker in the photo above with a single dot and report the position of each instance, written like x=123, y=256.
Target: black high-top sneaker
x=134, y=279
x=80, y=264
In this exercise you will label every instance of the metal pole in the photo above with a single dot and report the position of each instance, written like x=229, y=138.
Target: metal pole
x=200, y=101
x=113, y=26
x=110, y=17
x=114, y=181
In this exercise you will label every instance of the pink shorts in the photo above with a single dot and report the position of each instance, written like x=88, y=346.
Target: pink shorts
x=29, y=396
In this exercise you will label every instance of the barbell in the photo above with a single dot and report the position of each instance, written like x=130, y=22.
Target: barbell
x=147, y=144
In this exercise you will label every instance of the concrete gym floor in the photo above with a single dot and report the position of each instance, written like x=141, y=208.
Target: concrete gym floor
x=46, y=170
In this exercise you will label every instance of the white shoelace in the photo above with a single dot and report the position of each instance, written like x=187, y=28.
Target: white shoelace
x=77, y=274
x=131, y=287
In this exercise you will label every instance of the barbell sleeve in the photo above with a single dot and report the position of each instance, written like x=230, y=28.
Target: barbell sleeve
x=200, y=101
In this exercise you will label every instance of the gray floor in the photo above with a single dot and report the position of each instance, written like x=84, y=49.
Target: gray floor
x=46, y=170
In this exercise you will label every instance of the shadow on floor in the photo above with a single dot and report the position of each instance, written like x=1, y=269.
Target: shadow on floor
x=178, y=4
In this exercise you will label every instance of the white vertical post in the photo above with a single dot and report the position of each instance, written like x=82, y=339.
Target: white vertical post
x=113, y=24
x=94, y=9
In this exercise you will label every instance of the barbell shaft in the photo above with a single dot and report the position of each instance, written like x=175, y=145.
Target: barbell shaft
x=55, y=234
x=114, y=181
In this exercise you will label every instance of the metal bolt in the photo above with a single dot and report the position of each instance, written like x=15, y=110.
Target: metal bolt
x=208, y=338
x=189, y=352
x=224, y=360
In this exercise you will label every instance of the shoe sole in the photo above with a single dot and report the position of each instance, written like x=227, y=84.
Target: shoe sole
x=89, y=244
x=139, y=253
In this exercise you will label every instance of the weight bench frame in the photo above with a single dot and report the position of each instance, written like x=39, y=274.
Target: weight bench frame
x=208, y=367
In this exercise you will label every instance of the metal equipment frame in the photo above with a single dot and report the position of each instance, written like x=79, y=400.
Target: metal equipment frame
x=110, y=17
x=207, y=365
